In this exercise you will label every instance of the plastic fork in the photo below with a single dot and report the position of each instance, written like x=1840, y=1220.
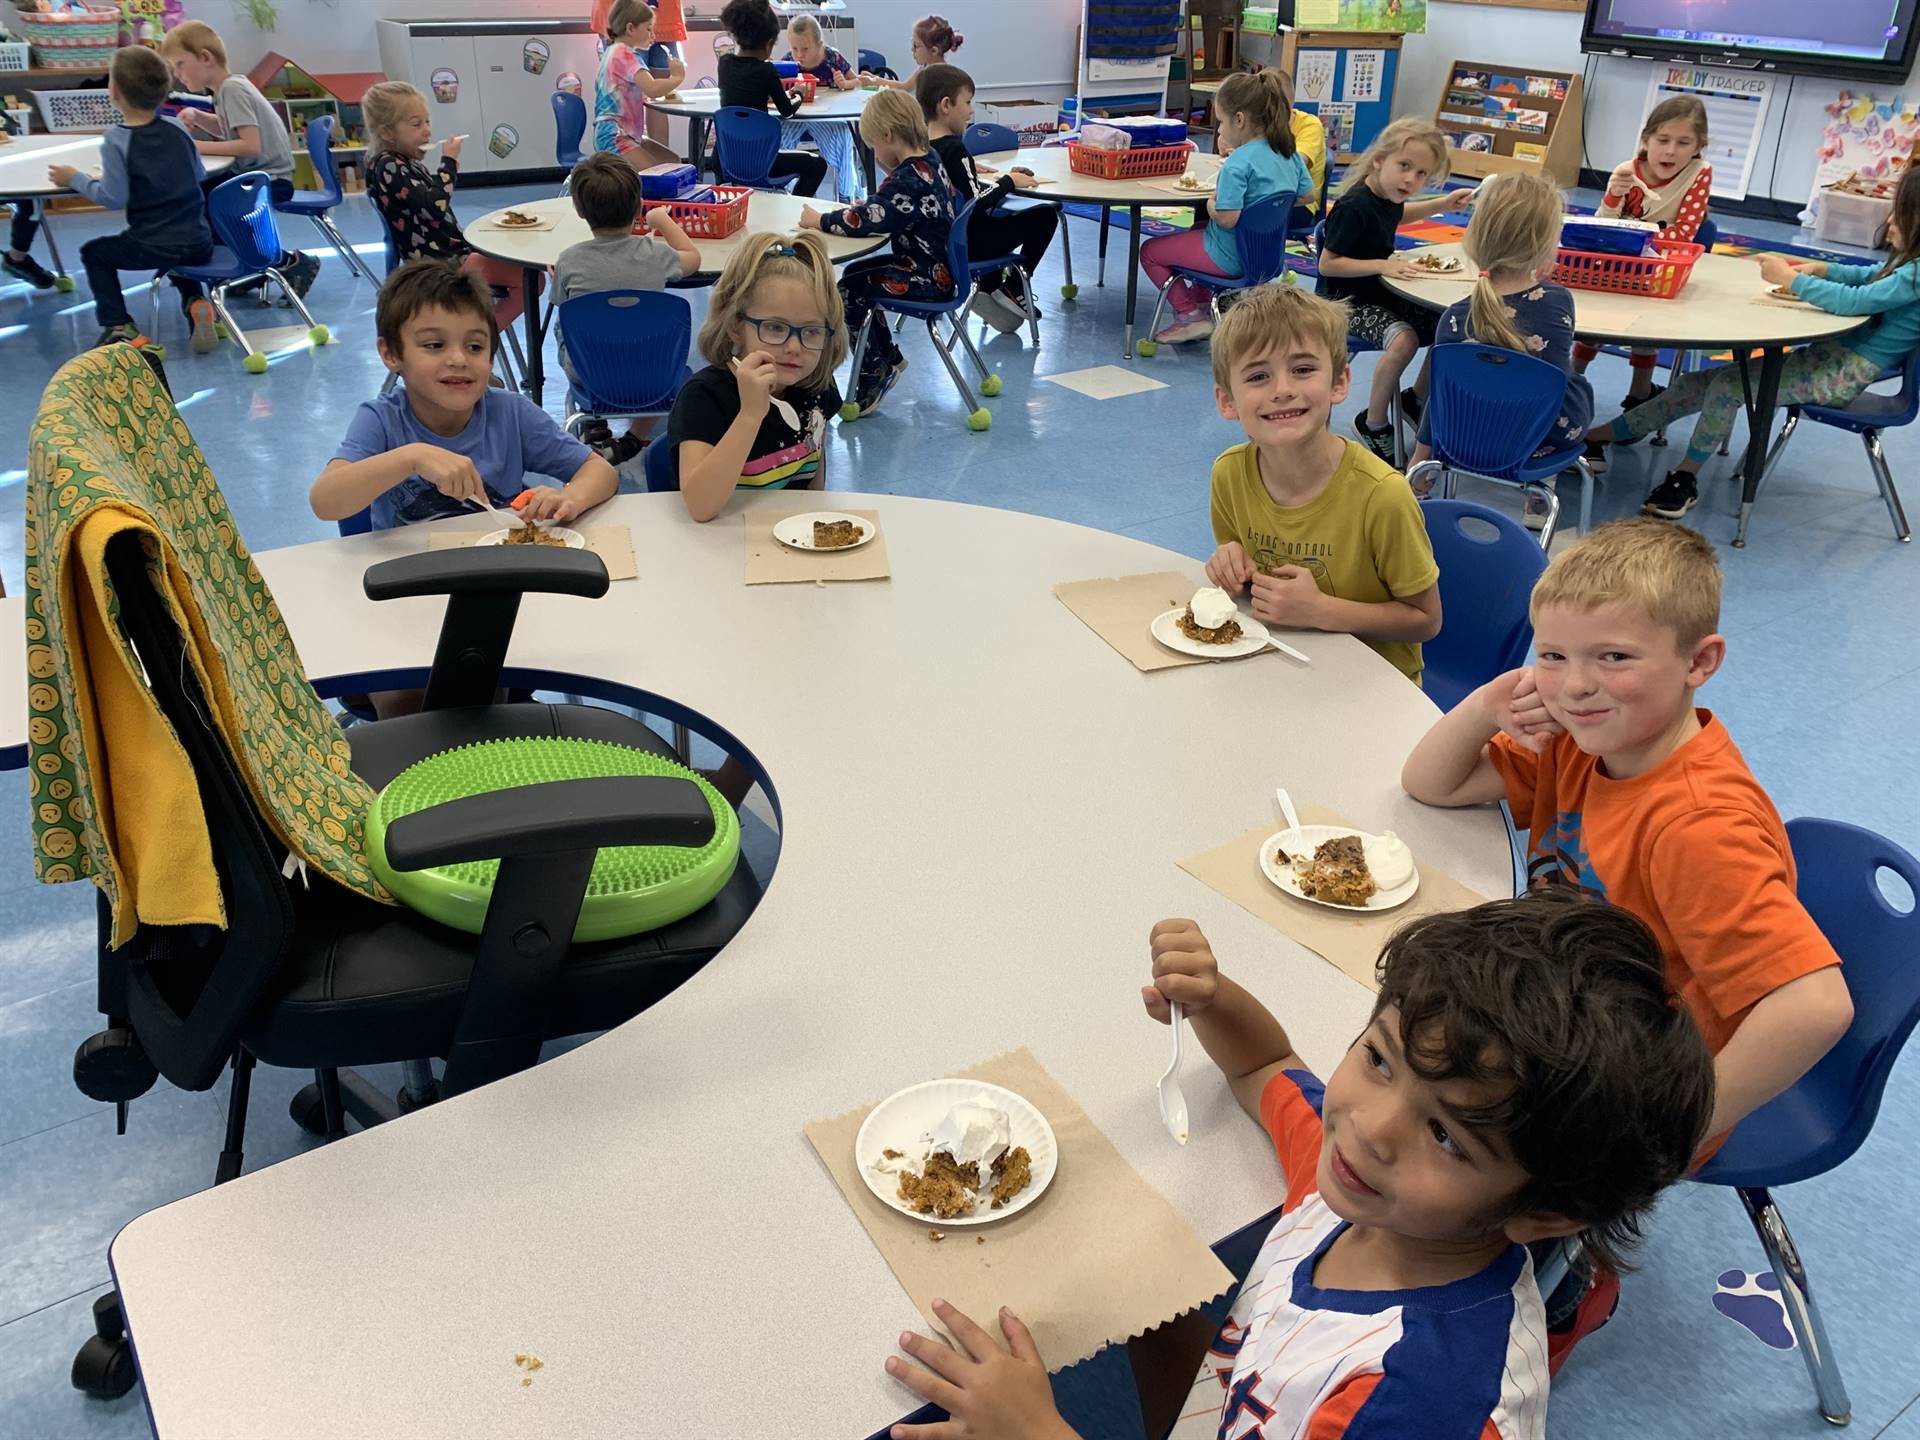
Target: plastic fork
x=787, y=412
x=1173, y=1103
x=1287, y=812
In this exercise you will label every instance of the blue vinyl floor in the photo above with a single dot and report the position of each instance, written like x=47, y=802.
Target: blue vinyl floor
x=1820, y=689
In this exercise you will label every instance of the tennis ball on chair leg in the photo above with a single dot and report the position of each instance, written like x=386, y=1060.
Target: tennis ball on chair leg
x=850, y=411
x=319, y=335
x=64, y=284
x=1067, y=292
x=255, y=364
x=990, y=386
x=980, y=419
x=1146, y=347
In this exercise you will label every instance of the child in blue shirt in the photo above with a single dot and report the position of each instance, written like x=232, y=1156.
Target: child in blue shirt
x=444, y=439
x=1827, y=372
x=1256, y=131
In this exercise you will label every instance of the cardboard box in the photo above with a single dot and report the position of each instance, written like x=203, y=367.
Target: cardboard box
x=1034, y=121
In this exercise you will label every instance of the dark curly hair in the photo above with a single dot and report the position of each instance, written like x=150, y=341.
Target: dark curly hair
x=751, y=23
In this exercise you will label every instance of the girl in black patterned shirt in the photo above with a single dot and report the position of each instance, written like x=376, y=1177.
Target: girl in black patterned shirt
x=915, y=206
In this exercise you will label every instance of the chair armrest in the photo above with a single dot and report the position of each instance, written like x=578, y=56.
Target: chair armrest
x=557, y=817
x=481, y=569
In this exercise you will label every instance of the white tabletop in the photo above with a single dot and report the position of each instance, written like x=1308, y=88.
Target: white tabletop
x=841, y=105
x=1052, y=164
x=24, y=162
x=1719, y=306
x=767, y=211
x=983, y=809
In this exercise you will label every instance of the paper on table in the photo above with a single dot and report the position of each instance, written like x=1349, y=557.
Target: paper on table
x=1061, y=1264
x=612, y=543
x=1120, y=610
x=771, y=563
x=1350, y=940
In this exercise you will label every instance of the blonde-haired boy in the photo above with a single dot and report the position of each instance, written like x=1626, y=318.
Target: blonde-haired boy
x=1327, y=535
x=1632, y=795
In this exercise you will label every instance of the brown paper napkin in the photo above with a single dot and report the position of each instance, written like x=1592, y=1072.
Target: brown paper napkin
x=612, y=543
x=1061, y=1264
x=1351, y=940
x=1120, y=610
x=771, y=563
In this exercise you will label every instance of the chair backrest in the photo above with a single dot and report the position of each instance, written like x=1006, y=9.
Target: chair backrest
x=241, y=210
x=628, y=348
x=386, y=235
x=989, y=139
x=1262, y=237
x=1909, y=390
x=658, y=463
x=1707, y=234
x=746, y=142
x=874, y=63
x=1486, y=579
x=358, y=523
x=1489, y=407
x=957, y=248
x=570, y=127
x=320, y=154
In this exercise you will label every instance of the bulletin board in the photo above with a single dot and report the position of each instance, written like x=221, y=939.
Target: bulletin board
x=1346, y=79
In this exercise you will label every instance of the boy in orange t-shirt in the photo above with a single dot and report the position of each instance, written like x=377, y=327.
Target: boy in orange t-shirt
x=1632, y=795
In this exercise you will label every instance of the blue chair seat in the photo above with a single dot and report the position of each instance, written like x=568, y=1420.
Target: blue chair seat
x=984, y=139
x=1261, y=238
x=222, y=265
x=1486, y=581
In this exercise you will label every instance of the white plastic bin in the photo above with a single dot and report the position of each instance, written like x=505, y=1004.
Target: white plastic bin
x=1849, y=219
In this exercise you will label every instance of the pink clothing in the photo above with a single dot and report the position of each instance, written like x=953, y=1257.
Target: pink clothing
x=1188, y=250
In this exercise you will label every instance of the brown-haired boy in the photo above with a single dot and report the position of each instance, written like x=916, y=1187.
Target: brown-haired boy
x=445, y=439
x=606, y=194
x=1328, y=535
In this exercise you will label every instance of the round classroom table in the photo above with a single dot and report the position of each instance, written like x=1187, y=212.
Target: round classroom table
x=828, y=107
x=1050, y=163
x=982, y=808
x=536, y=251
x=1720, y=308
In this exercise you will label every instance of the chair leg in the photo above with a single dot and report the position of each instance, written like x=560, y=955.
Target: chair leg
x=859, y=354
x=1883, y=476
x=1773, y=456
x=972, y=350
x=959, y=380
x=1069, y=290
x=1159, y=304
x=1100, y=277
x=1424, y=470
x=219, y=297
x=294, y=296
x=519, y=367
x=1028, y=304
x=1802, y=1313
x=1552, y=496
x=1586, y=496
x=233, y=1153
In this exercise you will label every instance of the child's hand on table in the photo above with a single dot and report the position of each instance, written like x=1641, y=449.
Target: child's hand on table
x=1512, y=703
x=61, y=175
x=1184, y=970
x=1394, y=268
x=1023, y=179
x=545, y=502
x=452, y=475
x=1289, y=596
x=809, y=218
x=756, y=375
x=1778, y=270
x=1231, y=567
x=992, y=1392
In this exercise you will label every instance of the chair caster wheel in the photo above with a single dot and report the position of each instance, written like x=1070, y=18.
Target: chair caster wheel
x=104, y=1368
x=990, y=386
x=255, y=364
x=309, y=1111
x=980, y=419
x=1067, y=292
x=1144, y=348
x=319, y=335
x=408, y=1102
x=64, y=284
x=111, y=1067
x=849, y=411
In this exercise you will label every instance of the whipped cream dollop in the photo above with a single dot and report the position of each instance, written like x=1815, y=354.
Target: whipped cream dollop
x=972, y=1132
x=1388, y=859
x=1212, y=607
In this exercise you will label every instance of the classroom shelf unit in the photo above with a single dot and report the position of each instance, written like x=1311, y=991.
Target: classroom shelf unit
x=1502, y=118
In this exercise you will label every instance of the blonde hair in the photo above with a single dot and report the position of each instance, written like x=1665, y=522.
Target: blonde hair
x=894, y=115
x=193, y=37
x=1667, y=572
x=806, y=27
x=1515, y=227
x=765, y=256
x=1263, y=100
x=1277, y=316
x=626, y=14
x=1676, y=107
x=1407, y=130
x=383, y=107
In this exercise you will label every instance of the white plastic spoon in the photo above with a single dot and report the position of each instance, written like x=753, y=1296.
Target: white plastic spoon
x=787, y=412
x=1173, y=1103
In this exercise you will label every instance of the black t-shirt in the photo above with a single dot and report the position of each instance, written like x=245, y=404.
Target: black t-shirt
x=1360, y=227
x=754, y=84
x=780, y=457
x=951, y=152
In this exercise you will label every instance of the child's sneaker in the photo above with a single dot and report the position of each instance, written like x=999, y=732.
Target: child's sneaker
x=1186, y=328
x=128, y=334
x=206, y=333
x=30, y=270
x=1534, y=517
x=870, y=401
x=626, y=447
x=1596, y=456
x=1001, y=311
x=1673, y=497
x=302, y=273
x=1380, y=441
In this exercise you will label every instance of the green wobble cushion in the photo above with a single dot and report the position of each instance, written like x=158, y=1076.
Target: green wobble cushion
x=633, y=888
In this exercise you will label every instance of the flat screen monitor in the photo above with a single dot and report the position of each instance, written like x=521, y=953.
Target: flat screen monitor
x=1846, y=39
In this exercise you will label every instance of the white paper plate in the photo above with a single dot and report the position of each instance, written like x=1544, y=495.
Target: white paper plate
x=796, y=531
x=898, y=1122
x=1253, y=637
x=1208, y=184
x=1454, y=266
x=575, y=540
x=1310, y=838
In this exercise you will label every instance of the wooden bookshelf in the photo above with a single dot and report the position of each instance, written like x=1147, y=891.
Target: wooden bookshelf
x=1528, y=118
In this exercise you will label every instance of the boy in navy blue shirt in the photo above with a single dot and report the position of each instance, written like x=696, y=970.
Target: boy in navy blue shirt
x=149, y=168
x=445, y=438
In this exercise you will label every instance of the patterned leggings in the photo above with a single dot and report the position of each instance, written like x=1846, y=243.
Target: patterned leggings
x=865, y=281
x=1825, y=373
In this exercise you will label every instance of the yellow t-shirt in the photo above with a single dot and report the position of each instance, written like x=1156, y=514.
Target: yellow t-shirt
x=1362, y=539
x=1310, y=144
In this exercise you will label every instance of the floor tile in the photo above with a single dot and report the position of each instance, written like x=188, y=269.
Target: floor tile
x=36, y=1399
x=37, y=1041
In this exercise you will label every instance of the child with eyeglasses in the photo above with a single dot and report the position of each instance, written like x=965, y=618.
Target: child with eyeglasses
x=774, y=330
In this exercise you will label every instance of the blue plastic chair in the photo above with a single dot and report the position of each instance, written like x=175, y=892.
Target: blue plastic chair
x=569, y=129
x=1488, y=410
x=1358, y=345
x=1261, y=237
x=978, y=417
x=658, y=463
x=1485, y=584
x=318, y=205
x=998, y=140
x=1866, y=416
x=874, y=63
x=1826, y=1115
x=628, y=350
x=249, y=248
x=745, y=143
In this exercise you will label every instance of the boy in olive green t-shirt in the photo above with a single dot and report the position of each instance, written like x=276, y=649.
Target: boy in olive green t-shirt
x=1328, y=535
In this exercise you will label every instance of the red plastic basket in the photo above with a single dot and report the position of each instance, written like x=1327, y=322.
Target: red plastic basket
x=805, y=84
x=703, y=220
x=1137, y=164
x=1657, y=277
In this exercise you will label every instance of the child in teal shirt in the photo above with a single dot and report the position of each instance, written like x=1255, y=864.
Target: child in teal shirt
x=1256, y=129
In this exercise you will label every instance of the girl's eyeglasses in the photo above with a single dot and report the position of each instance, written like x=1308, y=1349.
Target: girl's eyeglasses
x=776, y=332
